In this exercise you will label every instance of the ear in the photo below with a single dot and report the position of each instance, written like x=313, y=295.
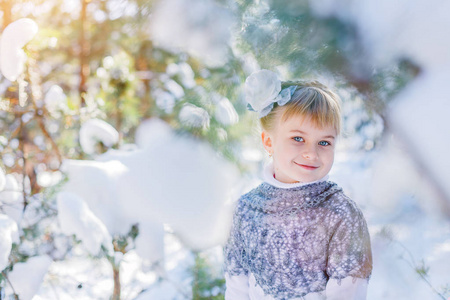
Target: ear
x=267, y=141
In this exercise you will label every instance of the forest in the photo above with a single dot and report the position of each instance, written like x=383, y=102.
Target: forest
x=126, y=141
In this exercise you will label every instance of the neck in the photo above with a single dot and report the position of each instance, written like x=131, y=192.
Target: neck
x=269, y=177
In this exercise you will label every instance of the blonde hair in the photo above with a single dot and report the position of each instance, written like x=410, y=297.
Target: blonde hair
x=310, y=99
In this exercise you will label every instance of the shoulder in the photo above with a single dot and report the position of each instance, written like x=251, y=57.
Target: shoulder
x=248, y=199
x=253, y=192
x=252, y=195
x=343, y=206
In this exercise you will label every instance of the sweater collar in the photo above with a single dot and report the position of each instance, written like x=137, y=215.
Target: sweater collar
x=275, y=196
x=272, y=199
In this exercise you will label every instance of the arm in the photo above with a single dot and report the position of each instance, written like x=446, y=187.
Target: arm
x=348, y=288
x=236, y=287
x=236, y=275
x=349, y=257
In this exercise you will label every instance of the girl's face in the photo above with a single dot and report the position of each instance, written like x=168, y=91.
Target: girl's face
x=301, y=151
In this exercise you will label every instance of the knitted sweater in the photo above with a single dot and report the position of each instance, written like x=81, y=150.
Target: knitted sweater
x=292, y=241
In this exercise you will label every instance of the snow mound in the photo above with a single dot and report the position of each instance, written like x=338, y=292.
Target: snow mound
x=174, y=179
x=94, y=131
x=226, y=113
x=26, y=277
x=97, y=184
x=11, y=199
x=9, y=234
x=15, y=36
x=194, y=116
x=76, y=218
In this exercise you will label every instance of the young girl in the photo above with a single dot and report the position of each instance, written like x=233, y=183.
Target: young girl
x=297, y=235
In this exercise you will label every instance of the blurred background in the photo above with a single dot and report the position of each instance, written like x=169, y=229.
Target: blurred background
x=125, y=140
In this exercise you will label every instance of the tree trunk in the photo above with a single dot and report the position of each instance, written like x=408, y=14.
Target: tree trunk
x=142, y=66
x=84, y=52
x=116, y=293
x=6, y=7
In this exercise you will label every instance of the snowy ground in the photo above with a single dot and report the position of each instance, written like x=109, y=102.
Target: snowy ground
x=80, y=277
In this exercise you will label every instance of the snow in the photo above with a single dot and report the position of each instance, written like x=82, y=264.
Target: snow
x=78, y=277
x=419, y=116
x=194, y=116
x=97, y=184
x=174, y=88
x=184, y=71
x=411, y=241
x=225, y=112
x=15, y=36
x=135, y=273
x=27, y=277
x=11, y=198
x=11, y=190
x=55, y=100
x=164, y=100
x=75, y=217
x=406, y=227
x=47, y=178
x=407, y=29
x=149, y=243
x=178, y=179
x=202, y=29
x=152, y=131
x=203, y=180
x=163, y=290
x=2, y=180
x=9, y=234
x=173, y=176
x=175, y=283
x=94, y=131
x=181, y=193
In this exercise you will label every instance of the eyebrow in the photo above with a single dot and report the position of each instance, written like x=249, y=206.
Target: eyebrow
x=296, y=130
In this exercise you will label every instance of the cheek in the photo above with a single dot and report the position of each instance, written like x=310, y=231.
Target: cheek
x=284, y=147
x=328, y=155
x=330, y=161
x=330, y=158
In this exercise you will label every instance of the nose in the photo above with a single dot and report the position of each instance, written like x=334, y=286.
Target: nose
x=310, y=153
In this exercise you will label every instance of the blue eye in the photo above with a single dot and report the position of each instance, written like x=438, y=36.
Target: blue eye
x=298, y=138
x=324, y=143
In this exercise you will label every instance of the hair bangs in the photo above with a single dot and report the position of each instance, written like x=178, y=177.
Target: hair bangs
x=315, y=104
x=311, y=99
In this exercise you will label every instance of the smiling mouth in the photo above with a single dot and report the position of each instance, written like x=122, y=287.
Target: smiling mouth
x=307, y=167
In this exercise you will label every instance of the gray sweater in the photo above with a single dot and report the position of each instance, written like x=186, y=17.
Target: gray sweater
x=294, y=240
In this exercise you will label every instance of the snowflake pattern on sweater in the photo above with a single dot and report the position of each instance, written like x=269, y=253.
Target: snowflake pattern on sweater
x=294, y=240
